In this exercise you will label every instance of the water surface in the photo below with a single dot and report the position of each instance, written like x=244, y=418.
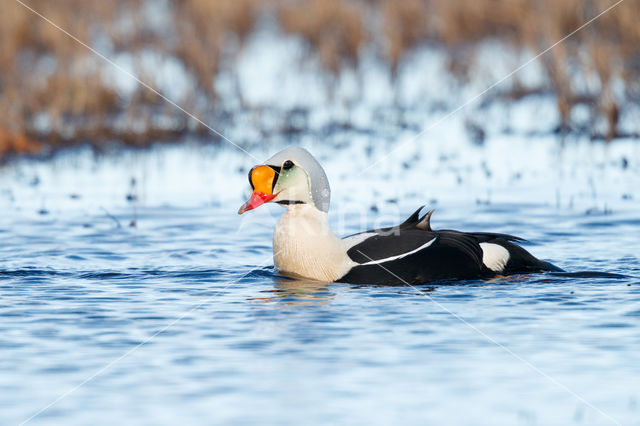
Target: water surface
x=182, y=318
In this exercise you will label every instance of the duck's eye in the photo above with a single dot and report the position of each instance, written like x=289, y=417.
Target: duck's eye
x=287, y=165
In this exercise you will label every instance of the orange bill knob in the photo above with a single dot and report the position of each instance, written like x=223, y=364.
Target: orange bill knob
x=262, y=180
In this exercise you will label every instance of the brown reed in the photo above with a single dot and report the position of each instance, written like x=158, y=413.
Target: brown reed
x=54, y=92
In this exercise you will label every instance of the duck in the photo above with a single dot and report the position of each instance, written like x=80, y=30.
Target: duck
x=304, y=245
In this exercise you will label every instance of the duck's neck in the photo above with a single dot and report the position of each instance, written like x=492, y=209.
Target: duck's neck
x=303, y=244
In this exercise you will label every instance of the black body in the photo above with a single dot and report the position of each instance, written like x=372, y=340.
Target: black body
x=451, y=254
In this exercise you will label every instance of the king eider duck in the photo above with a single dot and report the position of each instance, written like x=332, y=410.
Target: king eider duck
x=409, y=253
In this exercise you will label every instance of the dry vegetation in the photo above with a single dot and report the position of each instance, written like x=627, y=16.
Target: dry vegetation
x=54, y=92
x=335, y=29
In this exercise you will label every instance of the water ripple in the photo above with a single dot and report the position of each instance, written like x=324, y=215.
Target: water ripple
x=220, y=329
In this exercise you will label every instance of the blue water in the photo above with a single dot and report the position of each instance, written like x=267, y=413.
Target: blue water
x=182, y=319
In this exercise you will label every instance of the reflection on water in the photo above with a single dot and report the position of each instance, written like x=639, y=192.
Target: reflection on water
x=297, y=291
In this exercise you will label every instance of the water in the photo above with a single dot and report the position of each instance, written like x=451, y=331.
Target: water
x=182, y=318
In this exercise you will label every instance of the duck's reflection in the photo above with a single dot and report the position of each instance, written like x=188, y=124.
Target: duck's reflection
x=296, y=291
x=300, y=291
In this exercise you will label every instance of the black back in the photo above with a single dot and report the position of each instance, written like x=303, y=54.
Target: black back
x=413, y=253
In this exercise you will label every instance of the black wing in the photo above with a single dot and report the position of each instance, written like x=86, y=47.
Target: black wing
x=445, y=255
x=383, y=245
x=413, y=234
x=414, y=253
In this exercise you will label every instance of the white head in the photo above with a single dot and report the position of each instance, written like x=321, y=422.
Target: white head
x=292, y=176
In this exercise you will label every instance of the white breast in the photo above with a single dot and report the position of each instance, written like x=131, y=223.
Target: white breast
x=303, y=244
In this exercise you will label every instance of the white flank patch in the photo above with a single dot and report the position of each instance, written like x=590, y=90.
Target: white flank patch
x=400, y=256
x=494, y=256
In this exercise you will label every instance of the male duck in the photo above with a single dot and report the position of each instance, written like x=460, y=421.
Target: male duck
x=409, y=253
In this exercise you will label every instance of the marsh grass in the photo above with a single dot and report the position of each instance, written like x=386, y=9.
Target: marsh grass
x=54, y=92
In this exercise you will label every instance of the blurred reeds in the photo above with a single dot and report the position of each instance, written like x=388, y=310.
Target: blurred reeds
x=55, y=92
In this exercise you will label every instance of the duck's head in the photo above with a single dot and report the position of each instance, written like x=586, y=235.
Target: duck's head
x=290, y=177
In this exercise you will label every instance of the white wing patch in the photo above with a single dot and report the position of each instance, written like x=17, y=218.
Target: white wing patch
x=357, y=239
x=494, y=256
x=400, y=256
